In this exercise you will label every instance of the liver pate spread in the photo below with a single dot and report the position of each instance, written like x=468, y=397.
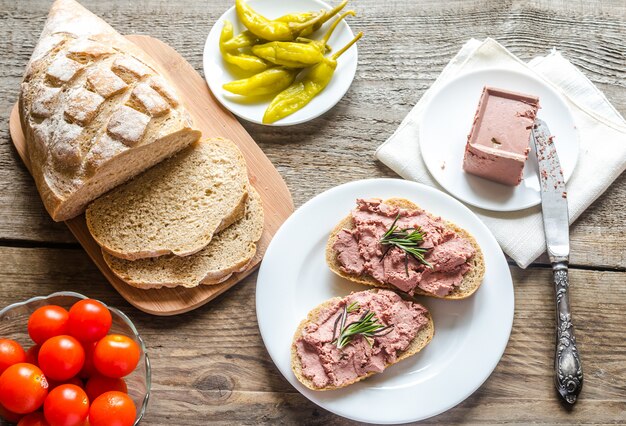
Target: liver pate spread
x=498, y=144
x=326, y=365
x=359, y=250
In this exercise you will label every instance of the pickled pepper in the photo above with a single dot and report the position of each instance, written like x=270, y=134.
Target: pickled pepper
x=244, y=39
x=267, y=82
x=322, y=44
x=300, y=93
x=273, y=30
x=245, y=62
x=305, y=16
x=297, y=55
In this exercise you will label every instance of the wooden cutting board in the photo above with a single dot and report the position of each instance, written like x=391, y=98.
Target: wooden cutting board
x=214, y=121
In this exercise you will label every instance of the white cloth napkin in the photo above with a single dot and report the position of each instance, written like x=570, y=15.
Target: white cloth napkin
x=601, y=128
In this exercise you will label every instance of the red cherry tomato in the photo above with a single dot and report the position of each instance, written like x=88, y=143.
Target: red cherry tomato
x=61, y=357
x=66, y=405
x=116, y=355
x=112, y=409
x=11, y=353
x=34, y=419
x=97, y=385
x=89, y=320
x=88, y=368
x=23, y=388
x=9, y=416
x=46, y=322
x=32, y=355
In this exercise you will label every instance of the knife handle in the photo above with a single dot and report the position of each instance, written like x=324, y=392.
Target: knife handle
x=569, y=373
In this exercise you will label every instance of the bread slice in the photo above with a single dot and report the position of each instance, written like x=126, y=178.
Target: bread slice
x=228, y=252
x=422, y=338
x=471, y=280
x=94, y=110
x=175, y=207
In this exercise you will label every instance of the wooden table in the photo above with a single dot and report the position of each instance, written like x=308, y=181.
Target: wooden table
x=210, y=365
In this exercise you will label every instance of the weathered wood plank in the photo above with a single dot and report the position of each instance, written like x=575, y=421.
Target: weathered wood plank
x=211, y=365
x=407, y=43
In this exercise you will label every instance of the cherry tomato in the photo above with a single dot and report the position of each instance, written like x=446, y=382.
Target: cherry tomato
x=11, y=353
x=32, y=355
x=61, y=357
x=46, y=322
x=116, y=355
x=89, y=320
x=88, y=368
x=23, y=388
x=112, y=409
x=66, y=405
x=34, y=419
x=10, y=416
x=97, y=385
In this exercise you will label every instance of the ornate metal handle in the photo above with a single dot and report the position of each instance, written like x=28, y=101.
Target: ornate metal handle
x=569, y=372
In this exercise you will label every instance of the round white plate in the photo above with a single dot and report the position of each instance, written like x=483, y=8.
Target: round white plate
x=447, y=121
x=217, y=72
x=470, y=334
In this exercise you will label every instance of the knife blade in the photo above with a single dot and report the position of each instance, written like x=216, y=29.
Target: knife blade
x=568, y=377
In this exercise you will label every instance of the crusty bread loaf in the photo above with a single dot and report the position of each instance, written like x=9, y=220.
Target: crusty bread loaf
x=471, y=280
x=228, y=252
x=422, y=338
x=94, y=110
x=174, y=207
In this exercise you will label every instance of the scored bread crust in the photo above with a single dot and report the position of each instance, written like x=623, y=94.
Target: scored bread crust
x=229, y=252
x=471, y=280
x=176, y=207
x=419, y=342
x=94, y=110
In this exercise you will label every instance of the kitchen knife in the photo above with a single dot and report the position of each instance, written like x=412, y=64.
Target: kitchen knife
x=568, y=369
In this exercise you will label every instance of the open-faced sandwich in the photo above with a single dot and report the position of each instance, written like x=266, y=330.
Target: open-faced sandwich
x=347, y=339
x=395, y=244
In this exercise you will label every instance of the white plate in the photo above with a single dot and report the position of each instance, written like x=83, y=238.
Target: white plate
x=217, y=72
x=470, y=335
x=447, y=121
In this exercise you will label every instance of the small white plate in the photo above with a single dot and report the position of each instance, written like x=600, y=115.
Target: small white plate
x=447, y=121
x=470, y=334
x=217, y=72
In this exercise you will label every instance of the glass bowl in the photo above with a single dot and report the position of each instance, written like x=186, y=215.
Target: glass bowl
x=13, y=325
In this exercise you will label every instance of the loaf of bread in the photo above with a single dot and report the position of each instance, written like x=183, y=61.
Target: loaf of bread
x=229, y=252
x=95, y=111
x=471, y=280
x=174, y=207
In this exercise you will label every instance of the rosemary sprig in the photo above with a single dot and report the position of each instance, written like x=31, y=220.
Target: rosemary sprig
x=407, y=240
x=367, y=326
x=342, y=318
x=352, y=307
